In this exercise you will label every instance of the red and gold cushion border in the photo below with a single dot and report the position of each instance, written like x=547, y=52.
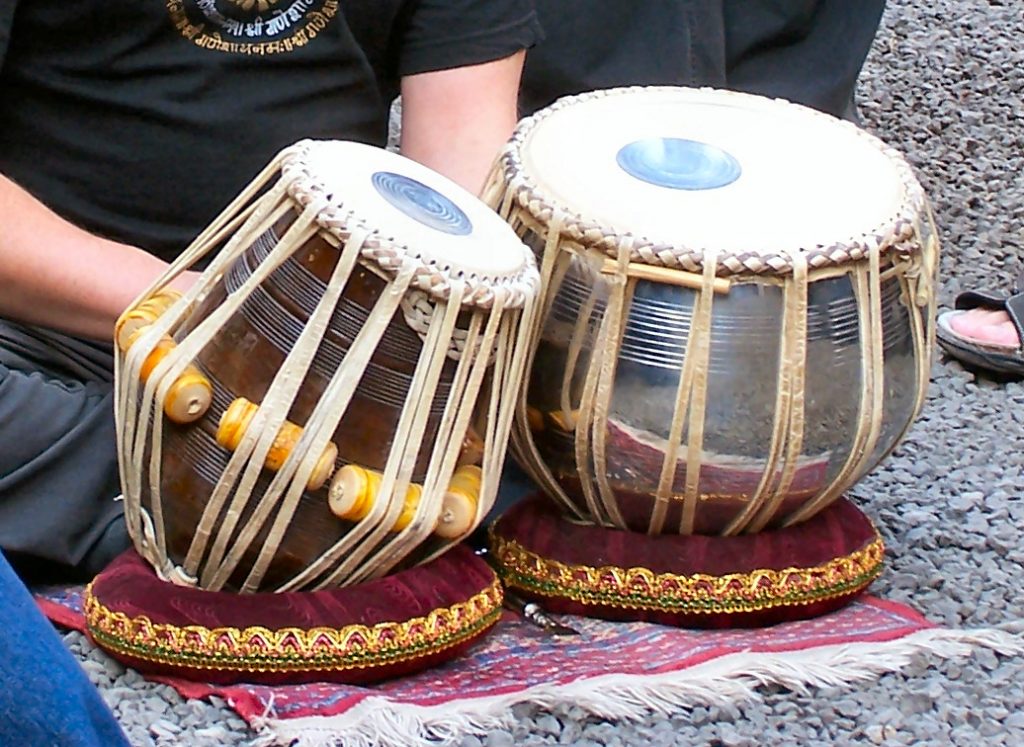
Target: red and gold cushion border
x=531, y=543
x=352, y=653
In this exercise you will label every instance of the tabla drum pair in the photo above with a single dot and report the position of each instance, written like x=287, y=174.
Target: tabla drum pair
x=736, y=326
x=322, y=414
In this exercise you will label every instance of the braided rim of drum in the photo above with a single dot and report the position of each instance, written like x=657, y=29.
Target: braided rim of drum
x=390, y=255
x=896, y=236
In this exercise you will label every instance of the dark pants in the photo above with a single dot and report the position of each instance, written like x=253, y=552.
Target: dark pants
x=58, y=464
x=45, y=697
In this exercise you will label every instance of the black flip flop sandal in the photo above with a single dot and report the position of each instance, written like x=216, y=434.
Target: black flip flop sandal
x=999, y=359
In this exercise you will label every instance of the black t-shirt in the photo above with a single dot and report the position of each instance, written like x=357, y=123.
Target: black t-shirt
x=140, y=121
x=594, y=44
x=807, y=51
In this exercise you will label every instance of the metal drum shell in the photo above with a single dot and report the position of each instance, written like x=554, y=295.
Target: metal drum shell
x=802, y=249
x=242, y=360
x=742, y=366
x=192, y=463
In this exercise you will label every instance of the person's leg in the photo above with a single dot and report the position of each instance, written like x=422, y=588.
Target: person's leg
x=45, y=697
x=58, y=465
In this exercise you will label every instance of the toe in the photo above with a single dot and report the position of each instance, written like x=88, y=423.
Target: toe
x=986, y=326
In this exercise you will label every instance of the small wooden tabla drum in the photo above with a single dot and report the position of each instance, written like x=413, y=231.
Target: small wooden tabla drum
x=738, y=307
x=331, y=400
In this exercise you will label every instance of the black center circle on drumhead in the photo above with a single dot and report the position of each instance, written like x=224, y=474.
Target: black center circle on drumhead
x=678, y=164
x=422, y=203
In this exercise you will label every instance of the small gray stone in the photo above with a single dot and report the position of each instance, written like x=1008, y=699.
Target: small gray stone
x=1015, y=720
x=548, y=724
x=499, y=739
x=965, y=735
x=571, y=732
x=139, y=738
x=848, y=707
x=876, y=733
x=730, y=737
x=212, y=732
x=164, y=728
x=987, y=658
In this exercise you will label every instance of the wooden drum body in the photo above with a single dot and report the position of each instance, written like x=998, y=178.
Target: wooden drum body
x=738, y=307
x=358, y=327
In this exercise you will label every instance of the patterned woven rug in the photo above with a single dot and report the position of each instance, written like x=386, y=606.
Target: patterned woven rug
x=617, y=670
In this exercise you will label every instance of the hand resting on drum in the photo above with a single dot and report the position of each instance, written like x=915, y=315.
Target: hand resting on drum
x=57, y=275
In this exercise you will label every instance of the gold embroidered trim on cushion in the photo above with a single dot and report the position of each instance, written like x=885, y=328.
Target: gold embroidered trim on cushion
x=640, y=588
x=259, y=649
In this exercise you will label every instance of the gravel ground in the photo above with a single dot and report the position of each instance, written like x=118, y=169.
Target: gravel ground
x=945, y=83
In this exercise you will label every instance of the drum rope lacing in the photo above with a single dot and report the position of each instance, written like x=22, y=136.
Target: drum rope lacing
x=908, y=245
x=589, y=421
x=499, y=320
x=418, y=310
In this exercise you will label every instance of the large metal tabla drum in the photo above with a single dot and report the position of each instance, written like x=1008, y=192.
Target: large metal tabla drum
x=738, y=307
x=328, y=402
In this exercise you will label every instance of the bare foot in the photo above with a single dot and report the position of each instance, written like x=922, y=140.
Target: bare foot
x=984, y=325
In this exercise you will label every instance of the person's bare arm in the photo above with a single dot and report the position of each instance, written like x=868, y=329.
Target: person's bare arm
x=456, y=121
x=56, y=275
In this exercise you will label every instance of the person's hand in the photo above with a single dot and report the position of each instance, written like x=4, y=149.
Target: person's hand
x=183, y=282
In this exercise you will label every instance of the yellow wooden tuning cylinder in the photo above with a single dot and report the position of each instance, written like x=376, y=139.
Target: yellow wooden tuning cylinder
x=234, y=423
x=190, y=395
x=354, y=489
x=143, y=315
x=458, y=507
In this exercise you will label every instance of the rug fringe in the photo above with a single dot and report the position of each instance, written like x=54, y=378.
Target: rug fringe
x=378, y=722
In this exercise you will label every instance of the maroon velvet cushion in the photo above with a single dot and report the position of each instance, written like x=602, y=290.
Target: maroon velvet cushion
x=394, y=625
x=687, y=580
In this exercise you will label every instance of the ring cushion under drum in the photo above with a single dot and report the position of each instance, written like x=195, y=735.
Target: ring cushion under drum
x=383, y=628
x=687, y=580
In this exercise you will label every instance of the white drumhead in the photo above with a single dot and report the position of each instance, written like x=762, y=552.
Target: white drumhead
x=410, y=206
x=713, y=170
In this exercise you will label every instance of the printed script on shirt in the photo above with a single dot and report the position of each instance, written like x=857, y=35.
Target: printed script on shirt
x=257, y=27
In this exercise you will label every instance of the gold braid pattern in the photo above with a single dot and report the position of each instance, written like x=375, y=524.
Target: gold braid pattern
x=640, y=588
x=259, y=649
